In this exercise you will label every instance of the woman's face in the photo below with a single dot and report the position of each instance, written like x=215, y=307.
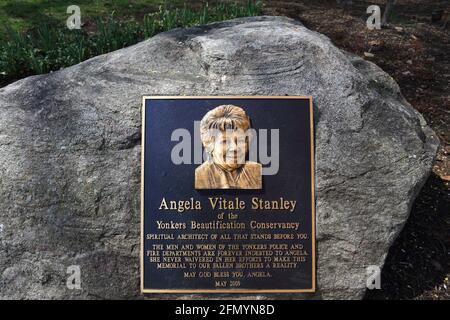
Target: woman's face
x=230, y=148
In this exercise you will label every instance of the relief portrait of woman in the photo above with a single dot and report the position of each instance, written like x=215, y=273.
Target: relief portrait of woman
x=225, y=135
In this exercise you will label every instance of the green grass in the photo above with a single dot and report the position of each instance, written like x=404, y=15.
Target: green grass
x=21, y=15
x=48, y=47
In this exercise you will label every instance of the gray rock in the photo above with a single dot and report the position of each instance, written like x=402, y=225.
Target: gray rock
x=70, y=154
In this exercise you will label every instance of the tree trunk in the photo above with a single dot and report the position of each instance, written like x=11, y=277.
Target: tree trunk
x=389, y=5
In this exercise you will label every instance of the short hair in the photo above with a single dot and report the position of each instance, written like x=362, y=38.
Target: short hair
x=224, y=117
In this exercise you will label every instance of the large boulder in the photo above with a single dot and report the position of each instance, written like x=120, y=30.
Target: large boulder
x=70, y=154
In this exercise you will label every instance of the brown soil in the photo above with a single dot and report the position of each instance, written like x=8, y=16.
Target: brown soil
x=416, y=52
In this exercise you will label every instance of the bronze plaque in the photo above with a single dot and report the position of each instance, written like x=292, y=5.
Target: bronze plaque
x=227, y=202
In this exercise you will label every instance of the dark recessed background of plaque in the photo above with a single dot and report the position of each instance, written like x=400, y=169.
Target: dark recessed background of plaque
x=176, y=182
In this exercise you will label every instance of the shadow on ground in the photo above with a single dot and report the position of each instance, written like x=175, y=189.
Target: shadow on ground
x=418, y=262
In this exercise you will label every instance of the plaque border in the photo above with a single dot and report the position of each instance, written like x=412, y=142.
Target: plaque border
x=313, y=208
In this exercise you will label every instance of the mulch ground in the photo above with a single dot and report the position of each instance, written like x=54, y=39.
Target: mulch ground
x=415, y=51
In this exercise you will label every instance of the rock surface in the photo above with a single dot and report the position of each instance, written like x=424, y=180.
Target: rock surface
x=70, y=154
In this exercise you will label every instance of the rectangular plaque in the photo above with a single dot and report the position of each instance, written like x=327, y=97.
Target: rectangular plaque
x=227, y=201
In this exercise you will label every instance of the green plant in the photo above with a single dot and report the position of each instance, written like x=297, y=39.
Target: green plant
x=46, y=49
